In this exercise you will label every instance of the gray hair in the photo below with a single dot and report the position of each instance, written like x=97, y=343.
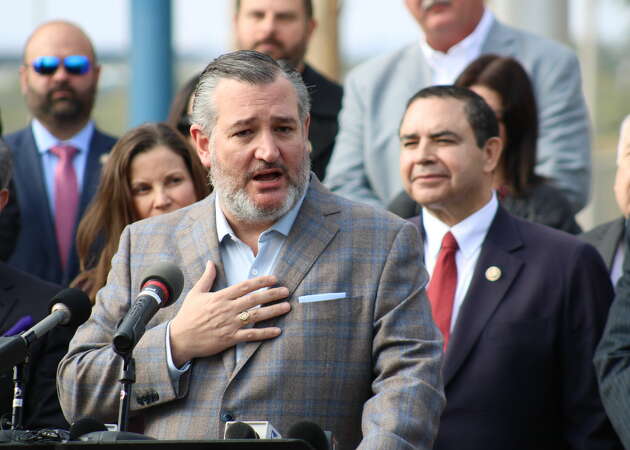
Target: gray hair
x=246, y=66
x=5, y=165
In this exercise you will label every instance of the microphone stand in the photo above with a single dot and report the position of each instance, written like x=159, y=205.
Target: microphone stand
x=127, y=378
x=17, y=413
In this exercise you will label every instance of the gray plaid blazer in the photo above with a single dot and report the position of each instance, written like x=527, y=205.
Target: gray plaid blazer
x=366, y=367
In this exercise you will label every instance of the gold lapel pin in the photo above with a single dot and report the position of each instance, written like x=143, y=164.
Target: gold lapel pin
x=493, y=273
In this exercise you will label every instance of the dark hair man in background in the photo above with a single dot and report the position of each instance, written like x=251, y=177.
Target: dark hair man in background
x=521, y=306
x=57, y=157
x=282, y=29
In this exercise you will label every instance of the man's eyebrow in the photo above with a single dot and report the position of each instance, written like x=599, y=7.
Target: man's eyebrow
x=409, y=136
x=284, y=119
x=242, y=123
x=445, y=133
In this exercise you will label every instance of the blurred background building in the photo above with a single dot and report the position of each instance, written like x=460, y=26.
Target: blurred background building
x=349, y=32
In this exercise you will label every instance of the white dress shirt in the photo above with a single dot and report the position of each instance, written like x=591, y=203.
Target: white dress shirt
x=240, y=264
x=469, y=234
x=44, y=141
x=446, y=67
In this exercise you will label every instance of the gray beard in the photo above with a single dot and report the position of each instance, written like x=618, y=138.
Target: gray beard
x=234, y=198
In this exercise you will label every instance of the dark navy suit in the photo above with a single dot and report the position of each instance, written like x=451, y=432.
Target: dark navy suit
x=518, y=370
x=36, y=250
x=22, y=294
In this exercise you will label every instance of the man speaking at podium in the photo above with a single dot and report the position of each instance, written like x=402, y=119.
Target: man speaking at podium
x=299, y=305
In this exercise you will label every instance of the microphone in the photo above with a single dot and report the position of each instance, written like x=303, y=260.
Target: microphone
x=312, y=434
x=160, y=286
x=22, y=324
x=70, y=307
x=83, y=426
x=254, y=429
x=240, y=430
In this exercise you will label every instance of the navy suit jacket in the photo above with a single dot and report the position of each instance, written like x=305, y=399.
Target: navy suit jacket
x=20, y=295
x=518, y=370
x=325, y=105
x=36, y=250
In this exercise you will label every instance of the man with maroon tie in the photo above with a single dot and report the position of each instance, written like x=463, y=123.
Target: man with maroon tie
x=57, y=157
x=521, y=306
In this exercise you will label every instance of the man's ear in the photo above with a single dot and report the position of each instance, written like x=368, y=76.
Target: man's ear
x=202, y=144
x=492, y=149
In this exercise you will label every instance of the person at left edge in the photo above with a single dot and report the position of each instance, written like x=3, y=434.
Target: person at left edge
x=343, y=337
x=23, y=295
x=58, y=78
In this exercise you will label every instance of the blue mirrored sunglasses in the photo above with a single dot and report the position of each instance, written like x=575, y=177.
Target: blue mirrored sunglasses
x=74, y=64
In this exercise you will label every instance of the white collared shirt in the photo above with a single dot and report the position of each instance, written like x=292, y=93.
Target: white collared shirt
x=44, y=141
x=446, y=67
x=469, y=234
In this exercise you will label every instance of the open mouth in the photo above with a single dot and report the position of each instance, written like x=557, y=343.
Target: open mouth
x=268, y=175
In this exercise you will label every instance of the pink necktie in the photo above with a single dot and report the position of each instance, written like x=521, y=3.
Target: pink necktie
x=442, y=287
x=66, y=199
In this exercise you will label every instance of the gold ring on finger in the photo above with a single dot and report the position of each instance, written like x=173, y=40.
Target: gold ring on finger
x=244, y=317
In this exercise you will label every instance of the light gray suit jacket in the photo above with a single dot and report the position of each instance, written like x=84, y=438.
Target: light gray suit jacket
x=365, y=161
x=366, y=367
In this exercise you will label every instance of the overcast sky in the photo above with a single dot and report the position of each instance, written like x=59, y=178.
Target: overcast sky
x=200, y=26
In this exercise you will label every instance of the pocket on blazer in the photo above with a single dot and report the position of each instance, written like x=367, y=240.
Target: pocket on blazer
x=341, y=308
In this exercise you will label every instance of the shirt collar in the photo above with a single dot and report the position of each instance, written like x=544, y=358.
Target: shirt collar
x=469, y=233
x=45, y=140
x=471, y=44
x=282, y=225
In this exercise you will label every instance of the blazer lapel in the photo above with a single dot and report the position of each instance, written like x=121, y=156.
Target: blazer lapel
x=311, y=233
x=610, y=240
x=484, y=295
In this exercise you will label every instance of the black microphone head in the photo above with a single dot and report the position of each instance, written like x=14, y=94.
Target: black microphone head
x=309, y=432
x=170, y=275
x=83, y=426
x=77, y=302
x=240, y=430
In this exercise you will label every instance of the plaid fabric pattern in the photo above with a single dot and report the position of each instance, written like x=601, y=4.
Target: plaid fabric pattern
x=367, y=367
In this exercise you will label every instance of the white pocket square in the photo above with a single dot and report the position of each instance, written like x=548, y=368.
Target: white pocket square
x=321, y=297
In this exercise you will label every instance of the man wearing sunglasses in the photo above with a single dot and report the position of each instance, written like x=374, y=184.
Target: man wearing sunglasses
x=57, y=157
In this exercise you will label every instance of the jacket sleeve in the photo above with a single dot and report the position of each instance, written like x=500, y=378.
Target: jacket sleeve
x=346, y=173
x=408, y=398
x=612, y=359
x=87, y=377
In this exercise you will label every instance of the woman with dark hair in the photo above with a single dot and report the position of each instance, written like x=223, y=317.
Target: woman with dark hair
x=151, y=170
x=505, y=86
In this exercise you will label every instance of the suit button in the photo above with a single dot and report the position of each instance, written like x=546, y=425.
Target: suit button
x=227, y=417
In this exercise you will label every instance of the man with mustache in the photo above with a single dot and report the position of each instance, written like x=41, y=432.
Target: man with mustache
x=297, y=304
x=521, y=306
x=282, y=30
x=364, y=165
x=57, y=157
